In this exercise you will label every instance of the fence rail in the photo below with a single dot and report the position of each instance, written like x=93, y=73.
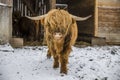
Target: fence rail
x=5, y=5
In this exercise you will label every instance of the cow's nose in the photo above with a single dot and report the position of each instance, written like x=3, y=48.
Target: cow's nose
x=57, y=35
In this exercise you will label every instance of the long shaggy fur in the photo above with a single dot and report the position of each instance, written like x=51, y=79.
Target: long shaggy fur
x=60, y=21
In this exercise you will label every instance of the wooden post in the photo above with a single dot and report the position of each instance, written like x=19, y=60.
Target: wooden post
x=5, y=21
x=10, y=2
x=52, y=4
x=96, y=19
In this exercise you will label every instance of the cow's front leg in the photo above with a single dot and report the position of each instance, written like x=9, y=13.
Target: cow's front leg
x=56, y=61
x=64, y=60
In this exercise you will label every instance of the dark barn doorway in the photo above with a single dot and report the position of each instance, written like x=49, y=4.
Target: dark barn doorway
x=30, y=31
x=82, y=8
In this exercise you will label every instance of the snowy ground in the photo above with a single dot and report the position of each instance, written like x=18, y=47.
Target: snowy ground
x=30, y=63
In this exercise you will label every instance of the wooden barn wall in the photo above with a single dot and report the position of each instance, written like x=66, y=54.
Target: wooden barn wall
x=109, y=20
x=5, y=21
x=83, y=8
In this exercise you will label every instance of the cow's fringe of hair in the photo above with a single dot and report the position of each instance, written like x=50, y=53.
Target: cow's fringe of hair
x=59, y=21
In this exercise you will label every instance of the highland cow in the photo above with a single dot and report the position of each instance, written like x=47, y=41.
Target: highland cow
x=61, y=33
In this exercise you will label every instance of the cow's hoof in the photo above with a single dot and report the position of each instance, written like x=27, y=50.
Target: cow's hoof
x=56, y=66
x=48, y=56
x=63, y=72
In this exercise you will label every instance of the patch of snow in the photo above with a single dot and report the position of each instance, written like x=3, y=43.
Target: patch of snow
x=31, y=63
x=7, y=47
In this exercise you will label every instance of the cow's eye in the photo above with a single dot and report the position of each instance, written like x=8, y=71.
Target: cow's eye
x=57, y=33
x=60, y=34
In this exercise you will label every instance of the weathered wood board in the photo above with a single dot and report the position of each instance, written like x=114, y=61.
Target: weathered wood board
x=109, y=20
x=5, y=21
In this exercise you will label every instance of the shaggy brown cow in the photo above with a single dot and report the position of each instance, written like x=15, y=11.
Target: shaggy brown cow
x=61, y=33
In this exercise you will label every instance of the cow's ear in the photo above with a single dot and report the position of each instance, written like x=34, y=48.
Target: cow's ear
x=42, y=21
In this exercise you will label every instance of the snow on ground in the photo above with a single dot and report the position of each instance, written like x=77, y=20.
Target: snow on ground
x=30, y=63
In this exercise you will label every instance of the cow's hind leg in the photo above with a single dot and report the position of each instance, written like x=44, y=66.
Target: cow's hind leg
x=49, y=54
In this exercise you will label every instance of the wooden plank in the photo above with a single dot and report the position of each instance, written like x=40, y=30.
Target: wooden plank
x=96, y=18
x=109, y=4
x=52, y=4
x=16, y=42
x=111, y=37
x=109, y=30
x=98, y=41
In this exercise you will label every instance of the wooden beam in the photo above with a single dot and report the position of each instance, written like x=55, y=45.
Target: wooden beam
x=17, y=42
x=111, y=4
x=52, y=4
x=96, y=19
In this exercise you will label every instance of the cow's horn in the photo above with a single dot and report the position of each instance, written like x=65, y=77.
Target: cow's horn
x=37, y=17
x=80, y=18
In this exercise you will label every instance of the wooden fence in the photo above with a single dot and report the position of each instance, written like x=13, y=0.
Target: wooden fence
x=31, y=7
